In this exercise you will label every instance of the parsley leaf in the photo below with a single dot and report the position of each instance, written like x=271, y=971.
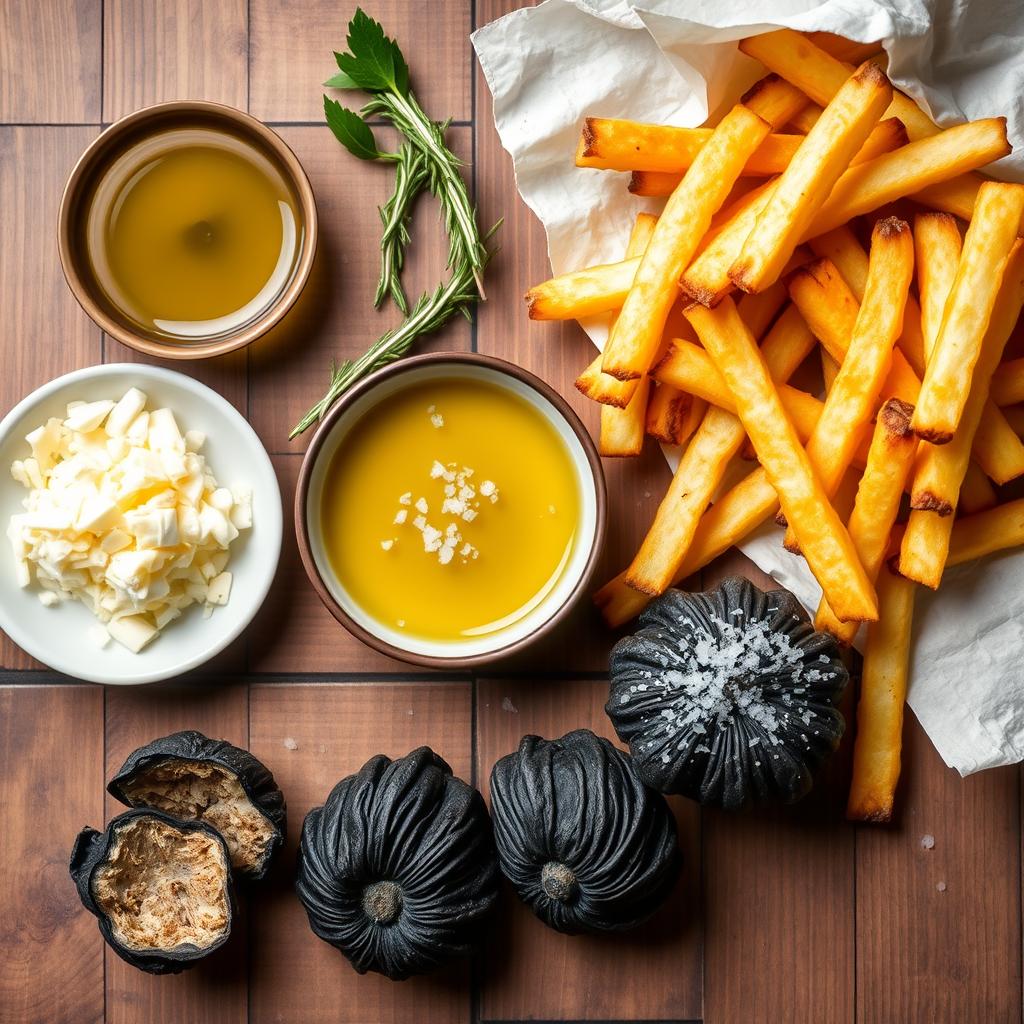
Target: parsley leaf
x=374, y=62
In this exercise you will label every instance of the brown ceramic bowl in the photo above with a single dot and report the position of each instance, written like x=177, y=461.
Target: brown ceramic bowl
x=150, y=121
x=330, y=438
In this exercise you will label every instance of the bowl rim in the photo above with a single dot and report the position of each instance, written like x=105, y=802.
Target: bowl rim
x=301, y=508
x=177, y=378
x=249, y=126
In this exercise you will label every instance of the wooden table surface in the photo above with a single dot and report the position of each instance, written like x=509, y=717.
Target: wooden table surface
x=781, y=916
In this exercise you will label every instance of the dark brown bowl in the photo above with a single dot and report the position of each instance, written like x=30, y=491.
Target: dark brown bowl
x=70, y=234
x=304, y=511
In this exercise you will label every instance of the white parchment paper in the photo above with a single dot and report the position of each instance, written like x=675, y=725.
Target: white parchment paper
x=674, y=61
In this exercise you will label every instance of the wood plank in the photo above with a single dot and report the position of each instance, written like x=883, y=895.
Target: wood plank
x=312, y=736
x=47, y=333
x=51, y=760
x=334, y=318
x=157, y=50
x=938, y=896
x=50, y=62
x=294, y=632
x=778, y=896
x=292, y=43
x=556, y=352
x=532, y=972
x=227, y=375
x=216, y=990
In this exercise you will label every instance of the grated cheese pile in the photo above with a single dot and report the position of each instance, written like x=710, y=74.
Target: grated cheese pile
x=719, y=679
x=124, y=515
x=461, y=502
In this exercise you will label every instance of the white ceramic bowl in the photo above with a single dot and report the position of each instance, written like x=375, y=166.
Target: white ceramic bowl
x=59, y=636
x=551, y=610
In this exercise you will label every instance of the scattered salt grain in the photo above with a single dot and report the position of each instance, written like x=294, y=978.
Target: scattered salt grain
x=927, y=842
x=941, y=886
x=387, y=545
x=422, y=506
x=405, y=499
x=400, y=517
x=290, y=744
x=401, y=623
x=507, y=705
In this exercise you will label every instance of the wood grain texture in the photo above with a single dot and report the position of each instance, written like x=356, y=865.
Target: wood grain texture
x=293, y=631
x=779, y=897
x=311, y=737
x=334, y=318
x=51, y=761
x=292, y=44
x=46, y=332
x=157, y=50
x=938, y=926
x=216, y=990
x=557, y=353
x=50, y=62
x=531, y=971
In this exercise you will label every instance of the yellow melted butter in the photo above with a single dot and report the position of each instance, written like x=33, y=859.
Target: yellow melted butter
x=524, y=539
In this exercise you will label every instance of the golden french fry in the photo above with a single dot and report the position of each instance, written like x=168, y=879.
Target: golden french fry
x=775, y=100
x=669, y=413
x=940, y=470
x=803, y=187
x=819, y=75
x=622, y=430
x=886, y=136
x=598, y=386
x=700, y=471
x=976, y=492
x=829, y=370
x=947, y=380
x=840, y=245
x=616, y=145
x=852, y=399
x=883, y=693
x=956, y=196
x=844, y=49
x=999, y=445
x=1008, y=383
x=890, y=459
x=860, y=190
x=985, y=533
x=637, y=333
x=803, y=121
x=757, y=311
x=582, y=293
x=937, y=253
x=822, y=537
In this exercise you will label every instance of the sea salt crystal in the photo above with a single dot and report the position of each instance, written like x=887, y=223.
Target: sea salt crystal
x=437, y=420
x=387, y=545
x=405, y=499
x=422, y=506
x=469, y=515
x=437, y=470
x=927, y=842
x=290, y=744
x=507, y=705
x=401, y=623
x=941, y=886
x=445, y=555
x=400, y=517
x=420, y=523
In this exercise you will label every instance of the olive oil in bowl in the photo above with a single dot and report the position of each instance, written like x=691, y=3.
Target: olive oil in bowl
x=192, y=233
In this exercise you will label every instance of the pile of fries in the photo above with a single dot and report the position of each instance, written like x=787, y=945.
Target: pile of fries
x=754, y=268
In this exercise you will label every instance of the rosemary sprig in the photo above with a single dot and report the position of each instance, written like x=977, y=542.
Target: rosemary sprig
x=374, y=63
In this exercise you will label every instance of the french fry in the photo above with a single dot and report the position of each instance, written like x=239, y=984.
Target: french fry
x=852, y=399
x=775, y=100
x=844, y=49
x=822, y=537
x=1008, y=383
x=830, y=309
x=829, y=370
x=582, y=293
x=947, y=380
x=803, y=121
x=637, y=333
x=956, y=196
x=860, y=190
x=622, y=430
x=985, y=533
x=820, y=75
x=937, y=253
x=999, y=445
x=883, y=693
x=886, y=136
x=714, y=443
x=804, y=185
x=940, y=469
x=840, y=245
x=890, y=460
x=976, y=492
x=757, y=311
x=616, y=145
x=622, y=426
x=669, y=414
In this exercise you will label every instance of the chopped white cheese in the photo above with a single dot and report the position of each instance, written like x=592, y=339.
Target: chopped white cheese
x=123, y=515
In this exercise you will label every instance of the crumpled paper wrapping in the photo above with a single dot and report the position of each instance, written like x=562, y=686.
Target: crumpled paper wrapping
x=673, y=61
